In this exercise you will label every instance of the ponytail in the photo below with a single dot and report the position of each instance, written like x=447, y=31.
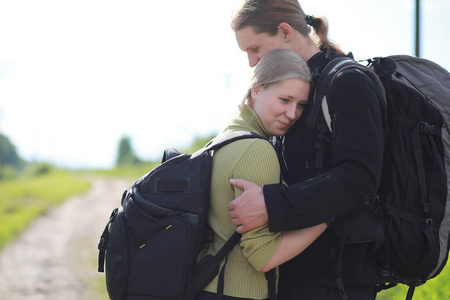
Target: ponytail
x=320, y=33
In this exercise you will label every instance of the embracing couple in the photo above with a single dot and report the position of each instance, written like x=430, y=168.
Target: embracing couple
x=288, y=225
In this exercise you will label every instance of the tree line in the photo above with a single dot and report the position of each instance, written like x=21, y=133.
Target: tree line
x=12, y=163
x=126, y=155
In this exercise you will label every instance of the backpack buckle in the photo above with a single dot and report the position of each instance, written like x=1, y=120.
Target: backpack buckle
x=102, y=244
x=426, y=128
x=271, y=275
x=341, y=289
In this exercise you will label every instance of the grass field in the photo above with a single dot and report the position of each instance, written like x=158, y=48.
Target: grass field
x=28, y=196
x=434, y=289
x=23, y=199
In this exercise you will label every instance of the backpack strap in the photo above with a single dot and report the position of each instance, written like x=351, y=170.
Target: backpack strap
x=104, y=242
x=209, y=266
x=323, y=121
x=420, y=169
x=325, y=81
x=212, y=265
x=320, y=103
x=271, y=277
x=324, y=124
x=322, y=86
x=229, y=138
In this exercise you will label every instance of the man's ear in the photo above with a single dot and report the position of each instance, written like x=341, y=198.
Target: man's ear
x=286, y=31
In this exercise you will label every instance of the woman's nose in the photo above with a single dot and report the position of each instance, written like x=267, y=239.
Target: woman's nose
x=292, y=113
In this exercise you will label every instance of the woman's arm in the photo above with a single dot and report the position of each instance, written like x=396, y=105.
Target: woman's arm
x=293, y=243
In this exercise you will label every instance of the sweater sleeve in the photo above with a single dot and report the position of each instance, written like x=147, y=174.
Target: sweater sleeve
x=356, y=160
x=258, y=164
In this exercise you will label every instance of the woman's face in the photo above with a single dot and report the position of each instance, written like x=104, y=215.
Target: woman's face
x=280, y=105
x=258, y=44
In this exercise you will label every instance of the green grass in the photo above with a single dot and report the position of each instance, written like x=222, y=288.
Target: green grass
x=24, y=199
x=437, y=288
x=30, y=195
x=95, y=281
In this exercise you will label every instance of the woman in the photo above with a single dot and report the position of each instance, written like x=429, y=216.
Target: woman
x=351, y=166
x=274, y=102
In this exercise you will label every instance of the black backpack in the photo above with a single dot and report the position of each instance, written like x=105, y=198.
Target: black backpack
x=152, y=241
x=409, y=220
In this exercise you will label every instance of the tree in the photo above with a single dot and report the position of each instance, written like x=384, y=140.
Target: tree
x=8, y=154
x=126, y=154
x=10, y=161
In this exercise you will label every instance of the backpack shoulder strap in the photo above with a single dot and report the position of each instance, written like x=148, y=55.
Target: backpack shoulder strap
x=214, y=144
x=334, y=67
x=226, y=139
x=321, y=88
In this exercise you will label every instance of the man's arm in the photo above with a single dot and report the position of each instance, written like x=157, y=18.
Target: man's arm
x=249, y=210
x=255, y=215
x=354, y=170
x=357, y=149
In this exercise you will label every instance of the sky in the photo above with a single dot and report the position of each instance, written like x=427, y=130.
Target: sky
x=77, y=76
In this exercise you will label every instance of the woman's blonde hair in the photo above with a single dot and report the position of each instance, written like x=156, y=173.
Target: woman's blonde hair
x=276, y=66
x=266, y=15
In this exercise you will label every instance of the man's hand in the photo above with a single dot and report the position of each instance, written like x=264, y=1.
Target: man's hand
x=249, y=210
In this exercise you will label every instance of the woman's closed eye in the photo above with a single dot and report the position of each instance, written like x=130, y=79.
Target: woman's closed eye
x=288, y=100
x=302, y=104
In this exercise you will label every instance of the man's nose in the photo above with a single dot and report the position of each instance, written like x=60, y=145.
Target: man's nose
x=252, y=60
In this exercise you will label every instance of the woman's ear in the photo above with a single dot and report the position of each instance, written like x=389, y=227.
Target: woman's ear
x=286, y=31
x=255, y=92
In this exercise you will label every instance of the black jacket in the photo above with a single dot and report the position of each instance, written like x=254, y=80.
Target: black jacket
x=350, y=177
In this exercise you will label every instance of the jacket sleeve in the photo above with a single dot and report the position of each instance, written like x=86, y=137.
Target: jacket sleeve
x=356, y=149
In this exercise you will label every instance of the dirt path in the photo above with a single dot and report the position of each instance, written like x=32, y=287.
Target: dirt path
x=56, y=257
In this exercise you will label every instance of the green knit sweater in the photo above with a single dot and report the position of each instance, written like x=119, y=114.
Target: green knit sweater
x=254, y=160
